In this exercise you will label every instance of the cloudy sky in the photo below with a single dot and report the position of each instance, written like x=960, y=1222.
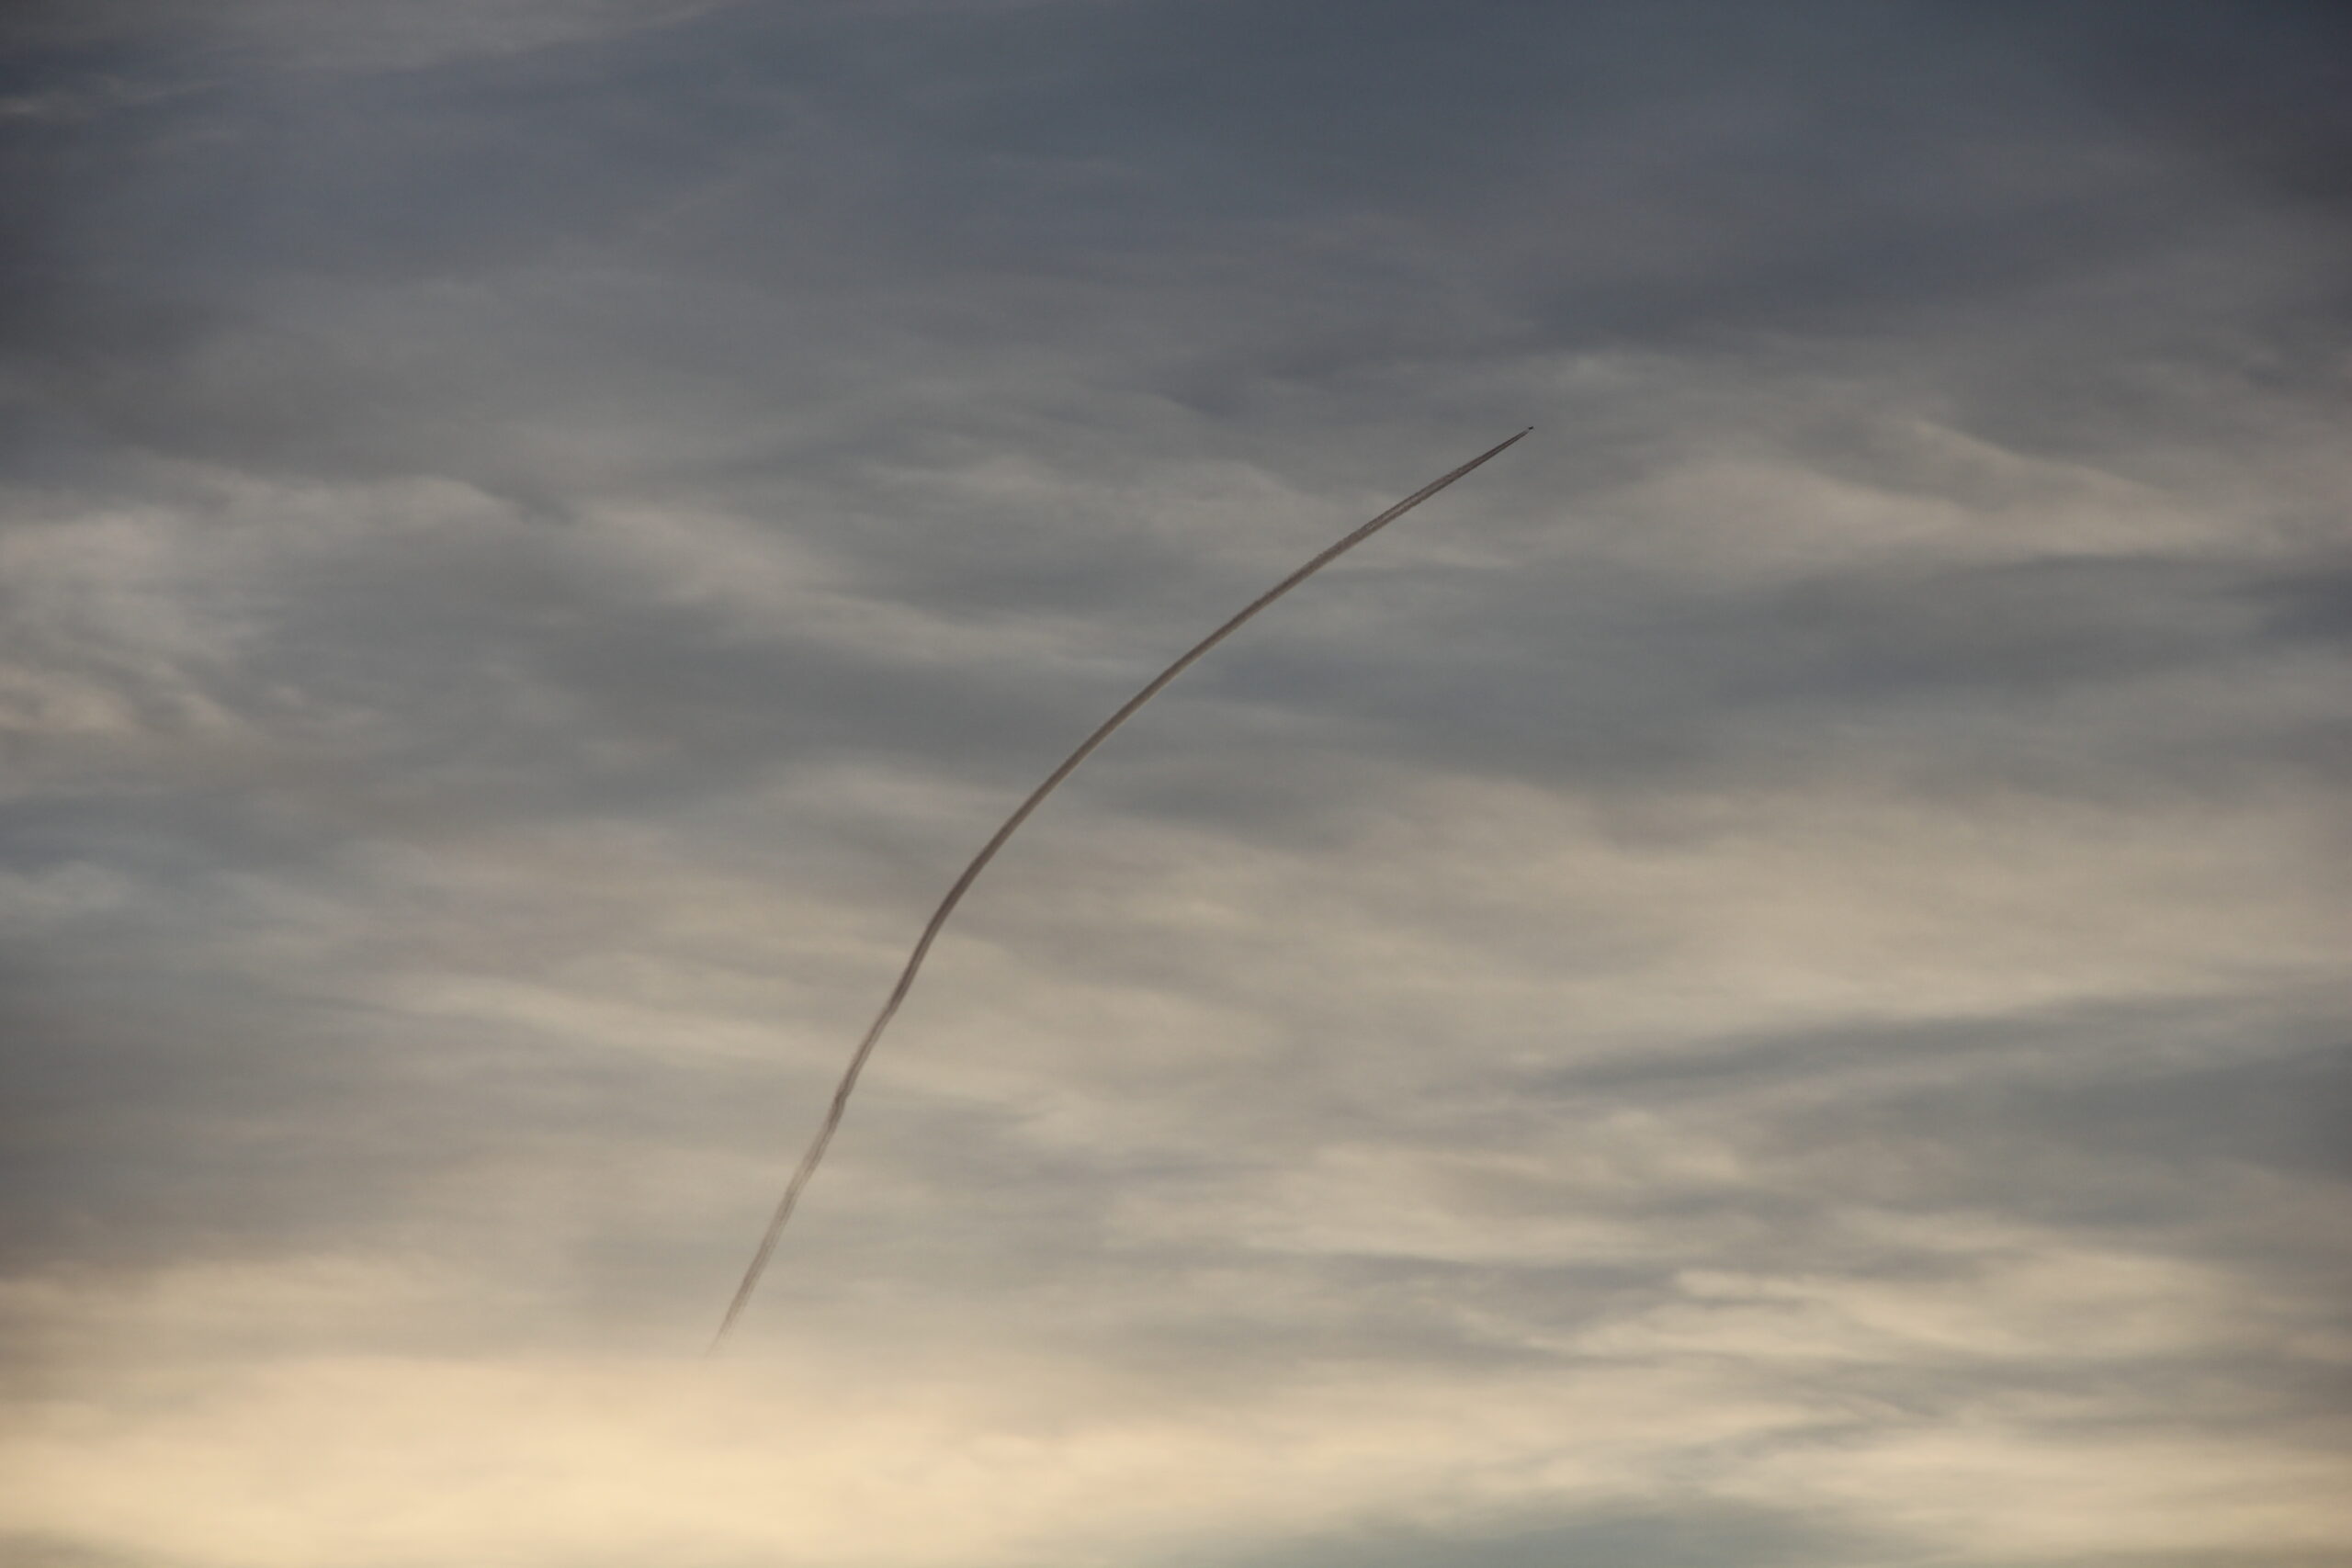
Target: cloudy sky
x=1760, y=985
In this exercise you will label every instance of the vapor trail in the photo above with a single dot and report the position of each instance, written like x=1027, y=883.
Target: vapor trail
x=810, y=1160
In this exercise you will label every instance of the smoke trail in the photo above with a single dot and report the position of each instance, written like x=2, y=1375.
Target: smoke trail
x=810, y=1160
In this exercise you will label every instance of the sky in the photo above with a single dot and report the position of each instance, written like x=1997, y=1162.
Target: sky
x=1760, y=984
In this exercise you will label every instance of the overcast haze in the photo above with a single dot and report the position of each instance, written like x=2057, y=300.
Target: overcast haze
x=1762, y=984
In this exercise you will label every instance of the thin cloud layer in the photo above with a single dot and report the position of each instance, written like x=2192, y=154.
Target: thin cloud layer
x=1764, y=987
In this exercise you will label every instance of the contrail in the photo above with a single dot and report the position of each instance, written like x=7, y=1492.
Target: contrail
x=809, y=1161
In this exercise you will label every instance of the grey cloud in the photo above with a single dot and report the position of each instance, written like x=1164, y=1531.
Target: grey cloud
x=553, y=162
x=48, y=1552
x=1700, y=1533
x=1788, y=926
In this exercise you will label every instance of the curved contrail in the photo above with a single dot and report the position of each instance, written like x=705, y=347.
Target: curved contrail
x=809, y=1161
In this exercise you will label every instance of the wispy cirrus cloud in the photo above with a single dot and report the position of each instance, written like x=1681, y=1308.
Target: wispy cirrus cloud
x=1766, y=989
